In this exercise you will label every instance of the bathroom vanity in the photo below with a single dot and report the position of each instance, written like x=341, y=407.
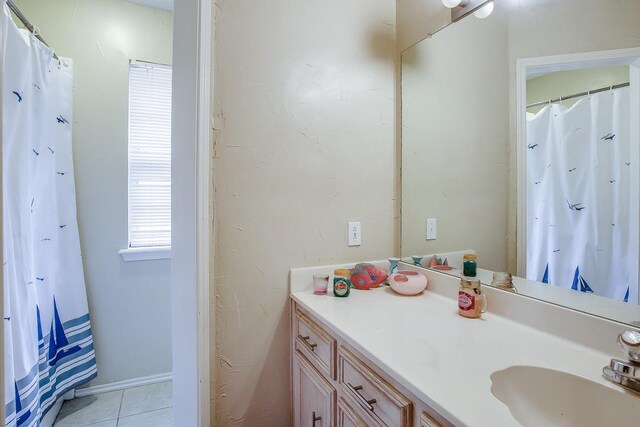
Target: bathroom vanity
x=380, y=359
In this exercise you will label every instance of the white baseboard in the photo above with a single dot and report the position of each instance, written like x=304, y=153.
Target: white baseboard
x=121, y=385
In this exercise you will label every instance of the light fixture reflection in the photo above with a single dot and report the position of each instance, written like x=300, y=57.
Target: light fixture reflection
x=484, y=11
x=451, y=3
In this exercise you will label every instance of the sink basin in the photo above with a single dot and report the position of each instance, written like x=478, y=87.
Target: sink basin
x=544, y=397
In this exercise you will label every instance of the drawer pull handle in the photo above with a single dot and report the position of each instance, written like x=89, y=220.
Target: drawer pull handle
x=312, y=346
x=315, y=418
x=367, y=403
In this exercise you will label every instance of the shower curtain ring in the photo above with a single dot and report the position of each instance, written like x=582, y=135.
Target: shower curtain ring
x=35, y=30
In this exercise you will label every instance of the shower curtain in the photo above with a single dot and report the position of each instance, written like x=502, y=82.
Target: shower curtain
x=578, y=196
x=48, y=341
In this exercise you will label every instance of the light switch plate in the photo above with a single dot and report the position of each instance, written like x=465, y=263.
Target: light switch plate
x=355, y=234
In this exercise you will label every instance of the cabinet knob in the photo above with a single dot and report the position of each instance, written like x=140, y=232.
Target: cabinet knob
x=315, y=418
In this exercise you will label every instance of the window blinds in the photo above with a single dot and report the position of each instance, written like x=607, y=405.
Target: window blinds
x=149, y=155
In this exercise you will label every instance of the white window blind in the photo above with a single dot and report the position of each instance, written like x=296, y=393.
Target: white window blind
x=149, y=155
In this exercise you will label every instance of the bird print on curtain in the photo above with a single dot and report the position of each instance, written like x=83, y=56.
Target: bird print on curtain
x=47, y=331
x=578, y=196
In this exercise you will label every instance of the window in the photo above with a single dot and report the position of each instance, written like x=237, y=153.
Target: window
x=149, y=158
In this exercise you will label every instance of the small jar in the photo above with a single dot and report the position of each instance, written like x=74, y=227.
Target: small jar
x=341, y=282
x=504, y=281
x=469, y=265
x=471, y=301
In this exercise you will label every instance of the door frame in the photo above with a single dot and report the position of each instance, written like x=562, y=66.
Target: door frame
x=191, y=230
x=554, y=63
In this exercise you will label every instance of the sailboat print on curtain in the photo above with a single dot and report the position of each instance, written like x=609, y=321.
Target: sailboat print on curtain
x=22, y=416
x=579, y=280
x=545, y=276
x=58, y=341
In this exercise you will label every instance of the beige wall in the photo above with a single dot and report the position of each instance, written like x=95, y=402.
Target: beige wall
x=566, y=83
x=129, y=303
x=454, y=157
x=416, y=19
x=305, y=104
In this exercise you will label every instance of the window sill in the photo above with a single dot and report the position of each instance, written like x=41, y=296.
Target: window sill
x=146, y=254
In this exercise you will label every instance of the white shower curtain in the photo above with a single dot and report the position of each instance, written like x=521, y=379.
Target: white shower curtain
x=48, y=341
x=578, y=196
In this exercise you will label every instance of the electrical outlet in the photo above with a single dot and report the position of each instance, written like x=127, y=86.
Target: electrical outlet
x=355, y=234
x=430, y=229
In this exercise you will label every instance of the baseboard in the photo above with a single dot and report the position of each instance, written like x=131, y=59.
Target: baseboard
x=121, y=385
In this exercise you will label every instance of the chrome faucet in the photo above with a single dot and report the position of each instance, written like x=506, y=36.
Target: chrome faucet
x=626, y=373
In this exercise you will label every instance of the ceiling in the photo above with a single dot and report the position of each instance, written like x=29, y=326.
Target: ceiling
x=158, y=4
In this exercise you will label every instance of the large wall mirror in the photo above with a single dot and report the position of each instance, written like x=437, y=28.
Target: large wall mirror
x=521, y=138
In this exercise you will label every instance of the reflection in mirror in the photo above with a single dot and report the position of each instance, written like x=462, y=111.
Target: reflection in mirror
x=579, y=197
x=485, y=166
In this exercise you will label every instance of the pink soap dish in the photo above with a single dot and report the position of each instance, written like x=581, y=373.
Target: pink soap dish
x=408, y=282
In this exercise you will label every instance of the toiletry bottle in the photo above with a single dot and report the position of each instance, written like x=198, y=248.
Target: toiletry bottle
x=341, y=283
x=393, y=267
x=469, y=265
x=502, y=280
x=471, y=301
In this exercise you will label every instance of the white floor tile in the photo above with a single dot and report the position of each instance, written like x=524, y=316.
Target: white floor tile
x=146, y=398
x=90, y=410
x=159, y=418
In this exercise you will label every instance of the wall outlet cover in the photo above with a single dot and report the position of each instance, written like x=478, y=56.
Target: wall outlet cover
x=355, y=234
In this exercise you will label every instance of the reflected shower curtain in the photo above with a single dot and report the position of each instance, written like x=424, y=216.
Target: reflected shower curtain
x=578, y=195
x=48, y=341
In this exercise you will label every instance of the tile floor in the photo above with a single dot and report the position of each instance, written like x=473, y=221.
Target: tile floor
x=145, y=406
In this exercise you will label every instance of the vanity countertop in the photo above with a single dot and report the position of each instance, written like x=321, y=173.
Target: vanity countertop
x=444, y=359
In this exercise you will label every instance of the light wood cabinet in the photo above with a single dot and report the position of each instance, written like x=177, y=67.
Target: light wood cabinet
x=314, y=397
x=333, y=384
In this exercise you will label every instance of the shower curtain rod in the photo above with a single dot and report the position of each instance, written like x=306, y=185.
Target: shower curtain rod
x=27, y=24
x=579, y=95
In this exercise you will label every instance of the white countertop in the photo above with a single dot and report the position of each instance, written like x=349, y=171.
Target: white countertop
x=444, y=359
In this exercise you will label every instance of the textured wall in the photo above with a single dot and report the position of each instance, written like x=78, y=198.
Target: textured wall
x=305, y=142
x=129, y=303
x=417, y=19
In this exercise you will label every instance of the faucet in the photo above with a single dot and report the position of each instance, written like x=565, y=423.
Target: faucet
x=626, y=373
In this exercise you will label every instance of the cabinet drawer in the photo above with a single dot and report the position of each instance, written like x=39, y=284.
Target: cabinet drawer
x=348, y=417
x=373, y=393
x=315, y=343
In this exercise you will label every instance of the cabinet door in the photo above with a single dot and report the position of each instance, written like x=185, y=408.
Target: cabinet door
x=314, y=399
x=348, y=417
